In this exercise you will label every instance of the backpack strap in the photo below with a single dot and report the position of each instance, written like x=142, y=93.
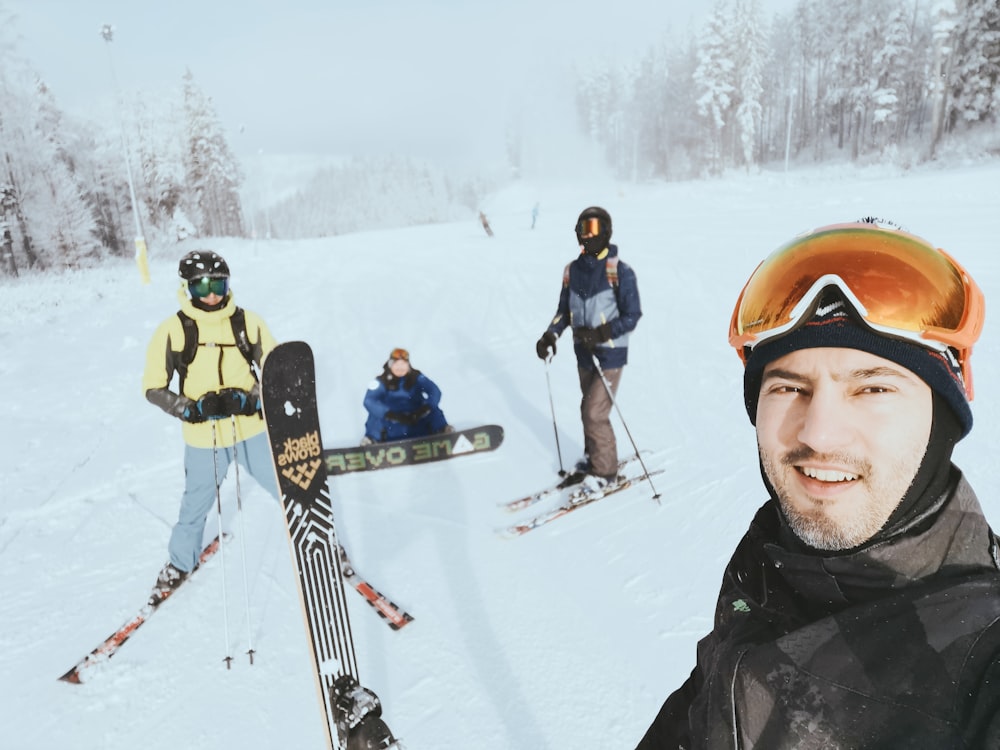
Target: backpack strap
x=238, y=320
x=239, y=323
x=611, y=271
x=190, y=346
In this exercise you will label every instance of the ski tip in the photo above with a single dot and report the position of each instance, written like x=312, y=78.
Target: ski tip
x=72, y=677
x=511, y=532
x=402, y=622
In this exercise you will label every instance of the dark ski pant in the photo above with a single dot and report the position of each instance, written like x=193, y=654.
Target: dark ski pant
x=201, y=467
x=595, y=410
x=381, y=430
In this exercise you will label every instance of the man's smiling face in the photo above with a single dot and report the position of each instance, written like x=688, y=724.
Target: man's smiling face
x=841, y=435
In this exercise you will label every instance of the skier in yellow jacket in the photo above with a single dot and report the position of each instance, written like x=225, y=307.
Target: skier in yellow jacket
x=215, y=349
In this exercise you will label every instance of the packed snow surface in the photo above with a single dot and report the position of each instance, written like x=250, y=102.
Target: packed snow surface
x=569, y=637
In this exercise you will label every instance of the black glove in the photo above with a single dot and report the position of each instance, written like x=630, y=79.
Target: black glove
x=409, y=417
x=238, y=402
x=186, y=410
x=591, y=337
x=212, y=406
x=546, y=342
x=403, y=417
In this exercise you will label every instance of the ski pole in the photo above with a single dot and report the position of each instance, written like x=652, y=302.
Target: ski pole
x=243, y=537
x=614, y=402
x=222, y=547
x=552, y=408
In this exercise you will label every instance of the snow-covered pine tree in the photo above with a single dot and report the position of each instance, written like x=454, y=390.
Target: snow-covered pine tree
x=715, y=79
x=975, y=71
x=750, y=52
x=212, y=174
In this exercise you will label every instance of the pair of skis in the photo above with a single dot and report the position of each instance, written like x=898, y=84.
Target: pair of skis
x=573, y=496
x=394, y=615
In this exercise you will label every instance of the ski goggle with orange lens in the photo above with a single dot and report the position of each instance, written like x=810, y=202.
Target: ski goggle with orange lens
x=899, y=284
x=589, y=227
x=400, y=354
x=205, y=286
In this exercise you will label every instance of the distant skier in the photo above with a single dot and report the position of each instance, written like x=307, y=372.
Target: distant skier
x=402, y=403
x=600, y=300
x=209, y=345
x=486, y=224
x=534, y=215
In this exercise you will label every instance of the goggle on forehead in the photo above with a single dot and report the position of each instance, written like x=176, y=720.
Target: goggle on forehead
x=899, y=284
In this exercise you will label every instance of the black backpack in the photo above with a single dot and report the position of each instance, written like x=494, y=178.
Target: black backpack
x=239, y=323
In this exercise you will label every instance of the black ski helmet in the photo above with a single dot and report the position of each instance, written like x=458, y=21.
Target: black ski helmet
x=594, y=245
x=199, y=264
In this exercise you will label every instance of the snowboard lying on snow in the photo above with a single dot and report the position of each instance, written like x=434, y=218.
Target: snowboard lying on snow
x=412, y=451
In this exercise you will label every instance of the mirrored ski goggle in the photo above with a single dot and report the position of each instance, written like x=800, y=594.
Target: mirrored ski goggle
x=898, y=283
x=205, y=286
x=590, y=227
x=400, y=354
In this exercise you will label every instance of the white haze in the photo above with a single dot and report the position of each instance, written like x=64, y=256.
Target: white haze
x=438, y=79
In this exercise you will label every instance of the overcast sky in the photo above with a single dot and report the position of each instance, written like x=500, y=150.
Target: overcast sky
x=422, y=77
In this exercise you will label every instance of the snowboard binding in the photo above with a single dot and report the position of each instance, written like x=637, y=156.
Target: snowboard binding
x=359, y=721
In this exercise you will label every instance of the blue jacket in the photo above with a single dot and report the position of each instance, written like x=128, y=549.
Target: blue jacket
x=588, y=300
x=394, y=407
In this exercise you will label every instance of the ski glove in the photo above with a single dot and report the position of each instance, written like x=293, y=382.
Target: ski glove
x=408, y=417
x=546, y=342
x=212, y=406
x=238, y=402
x=186, y=410
x=591, y=337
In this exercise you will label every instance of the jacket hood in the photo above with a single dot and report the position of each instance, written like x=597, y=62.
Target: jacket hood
x=600, y=259
x=950, y=538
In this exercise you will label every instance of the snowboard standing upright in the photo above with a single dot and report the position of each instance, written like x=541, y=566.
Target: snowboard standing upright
x=288, y=391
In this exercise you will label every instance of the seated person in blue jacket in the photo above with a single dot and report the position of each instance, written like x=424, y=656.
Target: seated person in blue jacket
x=402, y=403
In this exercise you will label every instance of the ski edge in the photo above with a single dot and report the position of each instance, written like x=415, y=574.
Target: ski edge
x=110, y=645
x=390, y=612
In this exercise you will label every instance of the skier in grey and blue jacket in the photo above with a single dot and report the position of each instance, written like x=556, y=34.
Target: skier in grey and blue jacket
x=600, y=302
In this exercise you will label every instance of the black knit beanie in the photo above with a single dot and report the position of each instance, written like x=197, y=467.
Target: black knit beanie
x=834, y=323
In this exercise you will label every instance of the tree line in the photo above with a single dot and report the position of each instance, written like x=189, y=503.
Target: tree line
x=854, y=79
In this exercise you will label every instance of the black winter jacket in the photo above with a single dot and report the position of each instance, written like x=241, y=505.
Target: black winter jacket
x=894, y=645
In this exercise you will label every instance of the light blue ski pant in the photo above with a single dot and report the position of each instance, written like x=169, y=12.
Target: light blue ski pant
x=254, y=454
